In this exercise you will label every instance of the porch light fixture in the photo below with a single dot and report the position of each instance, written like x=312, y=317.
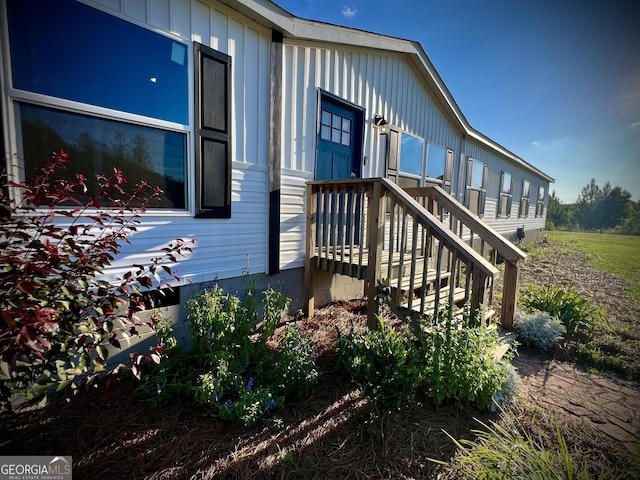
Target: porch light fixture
x=381, y=123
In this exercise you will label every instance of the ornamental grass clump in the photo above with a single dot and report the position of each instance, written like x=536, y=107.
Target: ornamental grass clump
x=567, y=305
x=538, y=329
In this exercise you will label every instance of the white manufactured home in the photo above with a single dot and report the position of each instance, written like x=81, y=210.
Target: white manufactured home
x=232, y=107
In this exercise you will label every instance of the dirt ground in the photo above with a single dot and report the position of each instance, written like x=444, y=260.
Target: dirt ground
x=335, y=433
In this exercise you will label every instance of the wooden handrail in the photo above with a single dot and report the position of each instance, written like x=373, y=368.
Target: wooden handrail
x=350, y=233
x=512, y=254
x=442, y=233
x=505, y=248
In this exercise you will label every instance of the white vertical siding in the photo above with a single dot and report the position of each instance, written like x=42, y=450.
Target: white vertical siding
x=158, y=14
x=379, y=82
x=222, y=244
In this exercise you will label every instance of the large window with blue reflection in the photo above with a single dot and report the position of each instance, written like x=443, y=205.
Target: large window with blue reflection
x=65, y=50
x=68, y=50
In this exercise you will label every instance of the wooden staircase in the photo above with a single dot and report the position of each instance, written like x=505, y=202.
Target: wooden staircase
x=418, y=249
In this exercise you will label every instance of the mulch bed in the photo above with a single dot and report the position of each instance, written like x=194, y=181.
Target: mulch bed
x=115, y=434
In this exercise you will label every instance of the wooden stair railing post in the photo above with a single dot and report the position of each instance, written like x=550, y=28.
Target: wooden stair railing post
x=477, y=290
x=309, y=277
x=375, y=237
x=509, y=293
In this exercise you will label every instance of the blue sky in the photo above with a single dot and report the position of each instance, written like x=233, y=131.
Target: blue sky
x=555, y=82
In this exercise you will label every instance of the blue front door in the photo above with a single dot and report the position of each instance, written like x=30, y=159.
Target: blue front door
x=338, y=157
x=339, y=141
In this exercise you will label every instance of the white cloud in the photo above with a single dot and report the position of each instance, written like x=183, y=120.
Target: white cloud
x=634, y=124
x=535, y=143
x=349, y=12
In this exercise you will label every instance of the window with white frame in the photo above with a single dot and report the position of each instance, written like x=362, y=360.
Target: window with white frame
x=524, y=199
x=108, y=92
x=506, y=195
x=540, y=203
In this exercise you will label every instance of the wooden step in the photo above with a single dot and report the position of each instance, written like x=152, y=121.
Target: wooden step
x=432, y=276
x=507, y=338
x=430, y=300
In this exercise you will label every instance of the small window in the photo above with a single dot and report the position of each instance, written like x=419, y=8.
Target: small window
x=411, y=153
x=476, y=191
x=436, y=157
x=540, y=203
x=506, y=189
x=477, y=173
x=524, y=199
x=335, y=128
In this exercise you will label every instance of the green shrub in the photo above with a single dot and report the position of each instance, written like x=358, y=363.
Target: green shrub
x=458, y=361
x=567, y=305
x=242, y=372
x=382, y=362
x=447, y=361
x=538, y=329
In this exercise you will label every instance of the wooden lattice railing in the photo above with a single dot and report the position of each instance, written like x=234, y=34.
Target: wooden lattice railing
x=373, y=230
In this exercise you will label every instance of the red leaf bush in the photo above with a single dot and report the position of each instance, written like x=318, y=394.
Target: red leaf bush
x=57, y=314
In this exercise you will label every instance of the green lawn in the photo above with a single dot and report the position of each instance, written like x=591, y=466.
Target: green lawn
x=615, y=254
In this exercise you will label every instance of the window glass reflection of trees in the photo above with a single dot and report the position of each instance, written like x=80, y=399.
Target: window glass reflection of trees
x=97, y=145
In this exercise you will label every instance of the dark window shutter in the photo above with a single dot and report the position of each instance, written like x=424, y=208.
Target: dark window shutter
x=393, y=138
x=467, y=199
x=448, y=171
x=510, y=200
x=212, y=132
x=524, y=202
x=483, y=193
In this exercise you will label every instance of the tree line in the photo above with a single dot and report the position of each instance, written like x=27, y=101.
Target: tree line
x=596, y=209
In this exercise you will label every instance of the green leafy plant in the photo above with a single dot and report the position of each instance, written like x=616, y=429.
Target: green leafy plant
x=529, y=444
x=382, y=362
x=567, y=305
x=500, y=452
x=459, y=361
x=538, y=329
x=57, y=315
x=241, y=370
x=446, y=358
